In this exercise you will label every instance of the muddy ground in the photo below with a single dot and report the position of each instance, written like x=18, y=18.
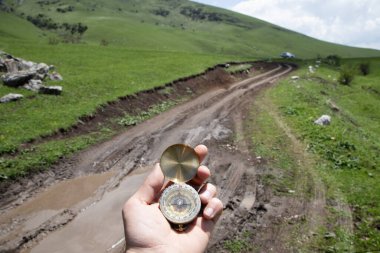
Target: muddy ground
x=75, y=206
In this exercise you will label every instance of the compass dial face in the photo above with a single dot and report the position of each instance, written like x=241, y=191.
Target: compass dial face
x=180, y=203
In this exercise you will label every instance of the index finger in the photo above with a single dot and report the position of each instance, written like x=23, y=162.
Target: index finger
x=201, y=151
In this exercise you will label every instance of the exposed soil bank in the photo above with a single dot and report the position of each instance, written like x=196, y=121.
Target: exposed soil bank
x=89, y=219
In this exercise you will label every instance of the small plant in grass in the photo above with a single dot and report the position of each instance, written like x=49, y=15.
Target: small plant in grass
x=53, y=40
x=131, y=120
x=346, y=76
x=104, y=42
x=238, y=245
x=364, y=68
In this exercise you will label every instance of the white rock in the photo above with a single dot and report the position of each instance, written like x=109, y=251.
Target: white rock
x=55, y=76
x=42, y=68
x=323, y=120
x=17, y=79
x=295, y=77
x=33, y=85
x=52, y=90
x=10, y=97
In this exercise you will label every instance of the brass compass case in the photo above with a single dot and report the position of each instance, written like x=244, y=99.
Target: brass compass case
x=180, y=202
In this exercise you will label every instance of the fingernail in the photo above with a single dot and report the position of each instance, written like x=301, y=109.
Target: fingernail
x=209, y=212
x=207, y=194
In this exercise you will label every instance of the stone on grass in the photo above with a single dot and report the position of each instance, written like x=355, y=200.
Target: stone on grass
x=12, y=65
x=33, y=85
x=10, y=97
x=295, y=77
x=17, y=79
x=324, y=120
x=3, y=68
x=51, y=90
x=55, y=76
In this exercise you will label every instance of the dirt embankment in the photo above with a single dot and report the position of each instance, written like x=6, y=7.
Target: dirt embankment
x=100, y=179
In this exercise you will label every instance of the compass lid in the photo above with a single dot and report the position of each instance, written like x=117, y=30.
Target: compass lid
x=179, y=163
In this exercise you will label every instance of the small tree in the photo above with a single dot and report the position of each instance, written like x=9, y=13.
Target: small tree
x=364, y=68
x=346, y=75
x=333, y=60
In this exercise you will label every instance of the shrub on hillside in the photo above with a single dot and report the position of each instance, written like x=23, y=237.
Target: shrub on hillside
x=333, y=60
x=161, y=12
x=65, y=9
x=200, y=14
x=53, y=41
x=364, y=68
x=346, y=75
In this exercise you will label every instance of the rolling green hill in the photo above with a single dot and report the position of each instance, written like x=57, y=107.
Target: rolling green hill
x=176, y=25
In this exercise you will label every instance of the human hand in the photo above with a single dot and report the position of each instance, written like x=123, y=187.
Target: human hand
x=147, y=230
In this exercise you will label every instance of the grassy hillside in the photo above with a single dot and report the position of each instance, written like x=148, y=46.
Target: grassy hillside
x=128, y=46
x=179, y=25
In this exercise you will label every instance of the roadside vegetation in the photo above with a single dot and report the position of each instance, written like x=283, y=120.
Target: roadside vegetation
x=345, y=154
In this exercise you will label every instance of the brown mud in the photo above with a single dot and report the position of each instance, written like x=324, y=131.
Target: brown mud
x=75, y=206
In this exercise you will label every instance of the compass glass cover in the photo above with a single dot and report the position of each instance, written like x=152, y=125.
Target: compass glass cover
x=180, y=203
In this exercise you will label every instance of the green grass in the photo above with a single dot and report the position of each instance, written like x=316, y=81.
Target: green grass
x=238, y=67
x=131, y=120
x=268, y=140
x=92, y=76
x=349, y=147
x=239, y=244
x=40, y=157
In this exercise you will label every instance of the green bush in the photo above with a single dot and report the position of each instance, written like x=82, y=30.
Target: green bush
x=364, y=68
x=346, y=76
x=333, y=60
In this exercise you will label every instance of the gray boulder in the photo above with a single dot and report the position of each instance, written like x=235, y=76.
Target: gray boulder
x=51, y=90
x=12, y=65
x=3, y=68
x=42, y=68
x=10, y=97
x=18, y=79
x=33, y=85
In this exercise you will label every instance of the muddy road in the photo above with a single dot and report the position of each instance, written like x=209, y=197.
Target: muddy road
x=83, y=213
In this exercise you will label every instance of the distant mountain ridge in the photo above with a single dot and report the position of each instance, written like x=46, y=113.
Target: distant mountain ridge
x=165, y=25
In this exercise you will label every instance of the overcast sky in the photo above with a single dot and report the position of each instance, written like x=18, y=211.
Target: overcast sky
x=350, y=22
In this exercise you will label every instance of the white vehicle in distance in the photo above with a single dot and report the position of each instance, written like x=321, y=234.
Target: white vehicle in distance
x=287, y=55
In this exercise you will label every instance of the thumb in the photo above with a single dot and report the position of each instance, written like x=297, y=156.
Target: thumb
x=151, y=188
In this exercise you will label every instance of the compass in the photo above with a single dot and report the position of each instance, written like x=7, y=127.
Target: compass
x=180, y=202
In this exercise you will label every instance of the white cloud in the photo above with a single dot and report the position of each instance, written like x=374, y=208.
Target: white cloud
x=349, y=22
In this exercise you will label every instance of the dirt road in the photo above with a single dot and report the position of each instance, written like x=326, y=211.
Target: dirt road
x=82, y=214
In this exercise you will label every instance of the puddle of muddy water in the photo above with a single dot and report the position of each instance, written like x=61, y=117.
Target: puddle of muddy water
x=62, y=195
x=99, y=228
